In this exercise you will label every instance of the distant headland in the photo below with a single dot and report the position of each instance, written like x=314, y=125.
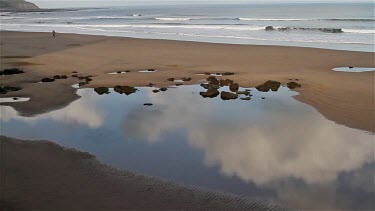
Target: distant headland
x=17, y=5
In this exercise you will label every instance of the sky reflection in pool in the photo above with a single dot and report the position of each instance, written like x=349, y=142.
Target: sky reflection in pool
x=276, y=148
x=353, y=69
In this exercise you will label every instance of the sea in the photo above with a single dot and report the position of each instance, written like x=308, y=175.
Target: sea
x=343, y=26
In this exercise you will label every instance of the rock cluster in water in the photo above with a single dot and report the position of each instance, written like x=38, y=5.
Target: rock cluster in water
x=6, y=89
x=128, y=90
x=11, y=71
x=293, y=85
x=101, y=90
x=214, y=84
x=269, y=85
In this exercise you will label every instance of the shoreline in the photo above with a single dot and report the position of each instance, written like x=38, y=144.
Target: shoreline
x=346, y=98
x=71, y=179
x=202, y=42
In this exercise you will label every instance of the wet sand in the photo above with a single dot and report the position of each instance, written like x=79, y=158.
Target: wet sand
x=346, y=98
x=73, y=180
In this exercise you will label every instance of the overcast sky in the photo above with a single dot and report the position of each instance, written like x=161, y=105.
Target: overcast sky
x=101, y=3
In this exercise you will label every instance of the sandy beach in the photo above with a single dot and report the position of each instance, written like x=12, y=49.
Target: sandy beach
x=73, y=179
x=345, y=98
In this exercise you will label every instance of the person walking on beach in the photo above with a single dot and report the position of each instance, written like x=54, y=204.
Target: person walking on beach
x=54, y=33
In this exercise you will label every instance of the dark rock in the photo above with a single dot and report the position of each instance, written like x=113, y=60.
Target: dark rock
x=74, y=72
x=48, y=80
x=179, y=84
x=56, y=77
x=5, y=89
x=88, y=79
x=185, y=79
x=150, y=85
x=151, y=70
x=228, y=96
x=81, y=84
x=234, y=87
x=211, y=93
x=247, y=93
x=125, y=89
x=118, y=72
x=64, y=77
x=351, y=67
x=284, y=29
x=293, y=85
x=228, y=73
x=170, y=79
x=148, y=104
x=102, y=90
x=11, y=71
x=155, y=90
x=245, y=98
x=207, y=73
x=270, y=28
x=127, y=71
x=225, y=82
x=212, y=79
x=263, y=98
x=210, y=86
x=75, y=76
x=163, y=89
x=269, y=85
x=15, y=98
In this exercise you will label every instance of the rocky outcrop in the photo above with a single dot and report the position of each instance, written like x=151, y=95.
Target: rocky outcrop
x=211, y=93
x=17, y=5
x=293, y=85
x=125, y=89
x=101, y=90
x=228, y=96
x=11, y=71
x=269, y=85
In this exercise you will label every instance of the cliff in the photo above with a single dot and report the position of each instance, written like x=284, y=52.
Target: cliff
x=17, y=5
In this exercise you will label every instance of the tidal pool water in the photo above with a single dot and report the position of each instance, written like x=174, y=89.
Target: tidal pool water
x=354, y=69
x=276, y=149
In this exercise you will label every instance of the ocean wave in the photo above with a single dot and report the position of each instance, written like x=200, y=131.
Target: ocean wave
x=271, y=19
x=302, y=19
x=326, y=30
x=173, y=19
x=348, y=19
x=199, y=26
x=360, y=31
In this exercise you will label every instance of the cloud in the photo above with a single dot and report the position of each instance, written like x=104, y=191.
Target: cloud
x=258, y=142
x=82, y=112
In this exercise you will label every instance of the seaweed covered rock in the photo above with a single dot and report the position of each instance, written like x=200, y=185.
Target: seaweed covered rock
x=211, y=93
x=270, y=28
x=125, y=89
x=293, y=85
x=101, y=90
x=44, y=80
x=225, y=82
x=228, y=73
x=213, y=79
x=228, y=96
x=186, y=79
x=210, y=86
x=269, y=85
x=11, y=71
x=6, y=89
x=234, y=87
